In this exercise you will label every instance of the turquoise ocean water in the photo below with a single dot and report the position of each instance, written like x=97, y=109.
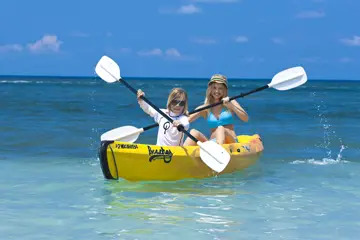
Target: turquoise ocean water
x=306, y=185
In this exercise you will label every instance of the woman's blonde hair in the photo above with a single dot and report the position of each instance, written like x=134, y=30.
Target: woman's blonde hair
x=178, y=93
x=209, y=98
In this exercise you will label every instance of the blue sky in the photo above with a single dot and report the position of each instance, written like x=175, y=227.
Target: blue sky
x=174, y=38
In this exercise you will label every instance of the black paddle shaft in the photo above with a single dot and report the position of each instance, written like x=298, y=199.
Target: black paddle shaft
x=214, y=104
x=232, y=98
x=158, y=110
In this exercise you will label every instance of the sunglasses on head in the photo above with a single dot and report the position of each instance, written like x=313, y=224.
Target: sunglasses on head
x=178, y=102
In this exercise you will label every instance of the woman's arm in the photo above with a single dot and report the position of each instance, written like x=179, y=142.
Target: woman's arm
x=235, y=107
x=196, y=115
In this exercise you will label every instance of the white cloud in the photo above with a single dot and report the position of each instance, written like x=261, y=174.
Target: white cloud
x=277, y=40
x=241, y=39
x=205, y=41
x=188, y=9
x=355, y=41
x=48, y=43
x=125, y=50
x=172, y=52
x=185, y=10
x=311, y=14
x=152, y=52
x=345, y=60
x=215, y=1
x=11, y=48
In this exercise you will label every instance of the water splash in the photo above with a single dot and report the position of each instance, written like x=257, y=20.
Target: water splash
x=324, y=161
x=322, y=111
x=330, y=140
x=95, y=131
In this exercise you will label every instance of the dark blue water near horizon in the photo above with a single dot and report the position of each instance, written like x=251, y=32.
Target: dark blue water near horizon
x=304, y=186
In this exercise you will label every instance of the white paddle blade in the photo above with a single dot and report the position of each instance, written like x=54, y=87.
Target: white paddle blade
x=108, y=70
x=288, y=79
x=214, y=155
x=123, y=134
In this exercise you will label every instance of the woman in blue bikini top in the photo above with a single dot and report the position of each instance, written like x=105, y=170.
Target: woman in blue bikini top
x=220, y=118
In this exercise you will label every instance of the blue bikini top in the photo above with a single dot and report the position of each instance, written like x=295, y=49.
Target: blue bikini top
x=225, y=118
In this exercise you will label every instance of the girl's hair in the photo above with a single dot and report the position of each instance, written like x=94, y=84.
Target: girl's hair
x=209, y=98
x=178, y=93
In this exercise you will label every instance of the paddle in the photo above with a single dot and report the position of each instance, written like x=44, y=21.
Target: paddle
x=125, y=134
x=211, y=153
x=284, y=80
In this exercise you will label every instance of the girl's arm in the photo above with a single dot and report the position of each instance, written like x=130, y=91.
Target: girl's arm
x=184, y=121
x=144, y=106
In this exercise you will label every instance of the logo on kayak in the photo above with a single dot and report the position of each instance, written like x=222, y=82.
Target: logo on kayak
x=155, y=154
x=128, y=146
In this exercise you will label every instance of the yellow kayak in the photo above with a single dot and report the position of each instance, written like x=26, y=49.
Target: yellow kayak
x=141, y=162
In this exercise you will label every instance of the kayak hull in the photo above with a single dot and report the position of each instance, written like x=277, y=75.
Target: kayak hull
x=142, y=162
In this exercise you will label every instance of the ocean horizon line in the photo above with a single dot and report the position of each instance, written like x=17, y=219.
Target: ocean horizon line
x=144, y=78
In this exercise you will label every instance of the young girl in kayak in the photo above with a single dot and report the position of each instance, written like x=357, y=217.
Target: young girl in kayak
x=177, y=109
x=220, y=118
